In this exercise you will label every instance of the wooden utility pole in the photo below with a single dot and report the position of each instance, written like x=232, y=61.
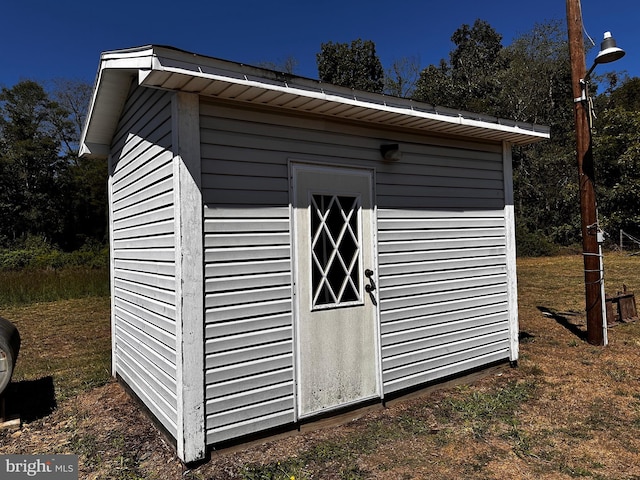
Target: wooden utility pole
x=588, y=211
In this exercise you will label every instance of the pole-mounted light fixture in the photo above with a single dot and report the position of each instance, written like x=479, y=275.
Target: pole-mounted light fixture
x=609, y=52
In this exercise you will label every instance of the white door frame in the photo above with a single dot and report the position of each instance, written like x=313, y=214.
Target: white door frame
x=296, y=166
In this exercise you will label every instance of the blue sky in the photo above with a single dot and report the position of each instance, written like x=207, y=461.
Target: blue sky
x=46, y=39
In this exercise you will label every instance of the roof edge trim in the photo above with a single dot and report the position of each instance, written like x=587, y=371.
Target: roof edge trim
x=173, y=69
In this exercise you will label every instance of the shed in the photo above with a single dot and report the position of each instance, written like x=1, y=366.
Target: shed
x=270, y=265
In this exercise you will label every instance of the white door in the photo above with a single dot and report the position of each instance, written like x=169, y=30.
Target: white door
x=336, y=295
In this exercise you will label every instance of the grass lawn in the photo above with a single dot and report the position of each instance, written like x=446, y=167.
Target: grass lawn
x=569, y=410
x=68, y=341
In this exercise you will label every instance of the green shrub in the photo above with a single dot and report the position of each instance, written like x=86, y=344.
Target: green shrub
x=35, y=271
x=39, y=255
x=533, y=244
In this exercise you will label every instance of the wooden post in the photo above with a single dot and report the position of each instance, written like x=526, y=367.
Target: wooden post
x=588, y=212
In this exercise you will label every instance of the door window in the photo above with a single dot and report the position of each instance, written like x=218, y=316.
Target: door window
x=335, y=250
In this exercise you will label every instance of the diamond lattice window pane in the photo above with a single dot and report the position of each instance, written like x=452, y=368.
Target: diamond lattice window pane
x=335, y=249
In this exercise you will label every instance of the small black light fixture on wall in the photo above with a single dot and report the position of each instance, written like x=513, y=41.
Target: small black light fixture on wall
x=391, y=152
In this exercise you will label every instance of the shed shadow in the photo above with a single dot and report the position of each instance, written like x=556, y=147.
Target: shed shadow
x=562, y=319
x=525, y=337
x=30, y=399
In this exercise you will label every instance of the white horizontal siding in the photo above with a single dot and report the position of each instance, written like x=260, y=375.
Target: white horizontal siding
x=402, y=379
x=149, y=198
x=146, y=266
x=136, y=169
x=143, y=251
x=249, y=369
x=155, y=321
x=246, y=421
x=443, y=292
x=412, y=325
x=249, y=327
x=438, y=332
x=149, y=295
x=226, y=391
x=153, y=338
x=163, y=378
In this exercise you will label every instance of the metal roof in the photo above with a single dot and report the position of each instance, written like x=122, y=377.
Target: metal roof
x=172, y=69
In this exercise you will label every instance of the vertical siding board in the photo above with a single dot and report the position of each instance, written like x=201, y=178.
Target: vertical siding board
x=141, y=226
x=510, y=227
x=189, y=271
x=112, y=267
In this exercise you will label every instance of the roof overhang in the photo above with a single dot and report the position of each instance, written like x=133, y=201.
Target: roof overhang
x=172, y=69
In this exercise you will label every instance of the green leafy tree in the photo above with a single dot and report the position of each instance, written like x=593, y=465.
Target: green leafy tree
x=86, y=220
x=536, y=80
x=354, y=65
x=616, y=145
x=469, y=80
x=536, y=88
x=435, y=86
x=474, y=64
x=86, y=189
x=626, y=96
x=31, y=167
x=527, y=81
x=46, y=191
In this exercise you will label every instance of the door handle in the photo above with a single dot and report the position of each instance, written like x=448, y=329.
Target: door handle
x=371, y=286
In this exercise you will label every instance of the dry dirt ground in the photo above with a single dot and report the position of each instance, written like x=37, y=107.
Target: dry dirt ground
x=569, y=410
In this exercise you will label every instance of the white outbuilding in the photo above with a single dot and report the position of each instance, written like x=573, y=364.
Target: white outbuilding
x=282, y=248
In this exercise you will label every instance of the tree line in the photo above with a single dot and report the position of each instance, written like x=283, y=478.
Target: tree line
x=528, y=81
x=47, y=192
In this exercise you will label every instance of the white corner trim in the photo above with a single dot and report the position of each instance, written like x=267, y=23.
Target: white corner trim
x=189, y=277
x=112, y=268
x=510, y=233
